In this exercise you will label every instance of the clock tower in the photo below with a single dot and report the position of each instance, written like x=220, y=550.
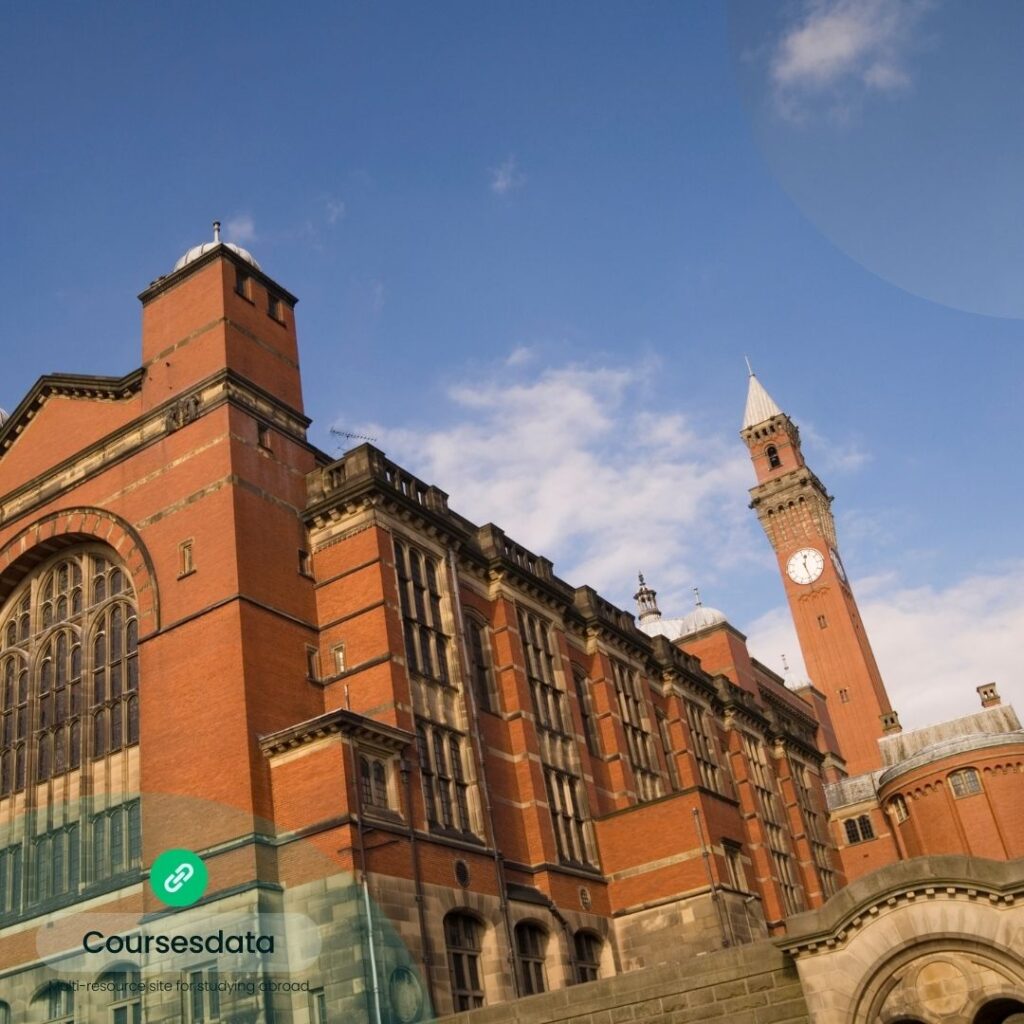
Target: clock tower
x=795, y=510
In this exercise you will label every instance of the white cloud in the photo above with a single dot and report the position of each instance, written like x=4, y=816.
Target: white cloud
x=506, y=177
x=519, y=356
x=838, y=50
x=570, y=460
x=335, y=210
x=934, y=645
x=241, y=229
x=830, y=455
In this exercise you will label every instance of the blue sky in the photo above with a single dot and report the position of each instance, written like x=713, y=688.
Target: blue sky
x=533, y=242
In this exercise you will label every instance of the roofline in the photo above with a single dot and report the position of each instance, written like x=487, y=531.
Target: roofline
x=71, y=384
x=221, y=251
x=338, y=722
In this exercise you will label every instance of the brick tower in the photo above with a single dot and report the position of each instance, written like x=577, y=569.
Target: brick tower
x=794, y=509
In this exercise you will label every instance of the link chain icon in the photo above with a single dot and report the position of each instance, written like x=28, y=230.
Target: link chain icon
x=178, y=878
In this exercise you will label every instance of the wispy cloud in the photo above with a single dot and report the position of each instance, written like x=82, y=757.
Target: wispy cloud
x=837, y=51
x=934, y=645
x=506, y=177
x=828, y=454
x=335, y=210
x=519, y=356
x=568, y=459
x=241, y=228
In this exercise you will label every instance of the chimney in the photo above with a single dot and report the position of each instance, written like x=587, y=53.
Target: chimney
x=989, y=695
x=890, y=723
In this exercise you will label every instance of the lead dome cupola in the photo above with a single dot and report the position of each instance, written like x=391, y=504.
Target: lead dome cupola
x=200, y=250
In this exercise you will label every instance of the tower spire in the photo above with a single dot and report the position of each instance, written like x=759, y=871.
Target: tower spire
x=760, y=405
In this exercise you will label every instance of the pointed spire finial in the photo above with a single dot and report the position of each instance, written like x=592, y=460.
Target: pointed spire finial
x=698, y=602
x=750, y=369
x=216, y=231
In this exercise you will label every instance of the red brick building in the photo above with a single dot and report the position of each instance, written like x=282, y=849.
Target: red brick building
x=469, y=779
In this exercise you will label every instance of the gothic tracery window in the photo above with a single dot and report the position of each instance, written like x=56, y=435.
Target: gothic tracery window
x=69, y=673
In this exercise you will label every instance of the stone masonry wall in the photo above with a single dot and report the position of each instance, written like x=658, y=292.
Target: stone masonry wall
x=755, y=984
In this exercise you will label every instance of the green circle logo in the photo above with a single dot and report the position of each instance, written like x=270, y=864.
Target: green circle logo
x=178, y=878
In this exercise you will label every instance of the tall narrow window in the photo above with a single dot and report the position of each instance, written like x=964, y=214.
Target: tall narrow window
x=588, y=955
x=548, y=704
x=773, y=457
x=665, y=734
x=633, y=711
x=531, y=945
x=899, y=808
x=318, y=1006
x=445, y=786
x=479, y=665
x=10, y=881
x=242, y=284
x=426, y=644
x=186, y=563
x=563, y=792
x=704, y=748
x=583, y=697
x=204, y=995
x=312, y=664
x=734, y=866
x=463, y=939
x=373, y=782
x=762, y=780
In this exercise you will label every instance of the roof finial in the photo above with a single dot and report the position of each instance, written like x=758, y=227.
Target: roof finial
x=785, y=664
x=750, y=369
x=216, y=231
x=696, y=594
x=647, y=602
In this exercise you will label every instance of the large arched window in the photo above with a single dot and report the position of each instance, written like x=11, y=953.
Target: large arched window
x=531, y=950
x=69, y=673
x=463, y=935
x=57, y=1003
x=122, y=985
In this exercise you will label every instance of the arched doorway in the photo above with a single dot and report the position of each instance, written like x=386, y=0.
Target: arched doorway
x=1001, y=1011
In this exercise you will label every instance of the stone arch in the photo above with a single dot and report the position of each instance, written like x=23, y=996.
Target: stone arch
x=69, y=527
x=492, y=951
x=948, y=977
x=940, y=930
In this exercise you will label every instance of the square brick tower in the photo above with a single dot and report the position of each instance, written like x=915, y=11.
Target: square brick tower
x=794, y=509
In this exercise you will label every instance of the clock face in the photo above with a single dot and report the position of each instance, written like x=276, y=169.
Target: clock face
x=805, y=565
x=838, y=563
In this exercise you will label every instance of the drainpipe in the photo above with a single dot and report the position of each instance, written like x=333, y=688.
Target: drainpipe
x=425, y=956
x=475, y=741
x=365, y=886
x=715, y=895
